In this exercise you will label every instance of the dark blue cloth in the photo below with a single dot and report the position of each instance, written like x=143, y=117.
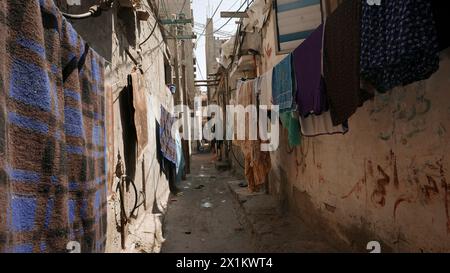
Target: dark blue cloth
x=399, y=43
x=283, y=85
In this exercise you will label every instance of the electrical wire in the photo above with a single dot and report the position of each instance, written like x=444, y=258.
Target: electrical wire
x=151, y=33
x=232, y=17
x=226, y=23
x=95, y=10
x=206, y=26
x=199, y=67
x=182, y=7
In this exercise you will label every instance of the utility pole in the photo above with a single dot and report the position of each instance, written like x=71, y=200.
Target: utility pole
x=186, y=115
x=226, y=143
x=181, y=91
x=209, y=46
x=178, y=94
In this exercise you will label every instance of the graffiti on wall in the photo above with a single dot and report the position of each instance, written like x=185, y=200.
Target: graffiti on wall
x=424, y=183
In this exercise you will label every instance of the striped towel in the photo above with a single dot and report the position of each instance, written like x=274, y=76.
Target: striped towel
x=52, y=133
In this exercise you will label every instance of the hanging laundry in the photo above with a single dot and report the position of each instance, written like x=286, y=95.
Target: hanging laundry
x=180, y=159
x=263, y=87
x=140, y=111
x=283, y=84
x=399, y=43
x=257, y=163
x=341, y=60
x=317, y=125
x=307, y=58
x=52, y=133
x=290, y=121
x=168, y=143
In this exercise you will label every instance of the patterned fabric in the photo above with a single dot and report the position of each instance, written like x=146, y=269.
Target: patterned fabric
x=168, y=144
x=283, y=84
x=52, y=133
x=399, y=43
x=257, y=163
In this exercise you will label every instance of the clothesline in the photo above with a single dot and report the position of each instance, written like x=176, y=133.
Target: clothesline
x=319, y=84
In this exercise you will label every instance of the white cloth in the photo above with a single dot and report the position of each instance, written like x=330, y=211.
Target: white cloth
x=264, y=88
x=320, y=125
x=258, y=13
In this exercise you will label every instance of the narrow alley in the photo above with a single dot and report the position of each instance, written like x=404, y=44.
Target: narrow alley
x=204, y=218
x=239, y=127
x=213, y=214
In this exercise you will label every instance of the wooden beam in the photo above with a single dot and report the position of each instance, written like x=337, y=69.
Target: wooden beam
x=233, y=14
x=176, y=21
x=206, y=80
x=205, y=85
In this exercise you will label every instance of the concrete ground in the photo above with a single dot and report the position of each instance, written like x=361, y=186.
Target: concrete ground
x=214, y=214
x=204, y=217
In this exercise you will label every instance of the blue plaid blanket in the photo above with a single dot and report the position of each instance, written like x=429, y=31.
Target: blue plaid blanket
x=52, y=133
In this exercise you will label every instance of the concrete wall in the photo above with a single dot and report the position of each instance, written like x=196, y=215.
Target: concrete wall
x=387, y=179
x=110, y=35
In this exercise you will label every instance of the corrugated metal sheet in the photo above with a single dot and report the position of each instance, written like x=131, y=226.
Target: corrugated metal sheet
x=296, y=19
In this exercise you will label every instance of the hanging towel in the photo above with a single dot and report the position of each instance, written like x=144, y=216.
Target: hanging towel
x=317, y=125
x=290, y=121
x=341, y=55
x=399, y=43
x=180, y=159
x=52, y=133
x=167, y=140
x=140, y=111
x=307, y=58
x=264, y=88
x=257, y=163
x=283, y=84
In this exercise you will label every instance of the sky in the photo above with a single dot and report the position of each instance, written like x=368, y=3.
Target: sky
x=204, y=9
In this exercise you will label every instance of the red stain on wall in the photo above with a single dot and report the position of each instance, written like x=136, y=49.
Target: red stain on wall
x=398, y=202
x=430, y=189
x=446, y=188
x=379, y=194
x=268, y=51
x=394, y=162
x=370, y=167
x=355, y=190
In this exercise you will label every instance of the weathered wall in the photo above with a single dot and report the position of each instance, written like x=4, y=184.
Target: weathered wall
x=387, y=179
x=111, y=34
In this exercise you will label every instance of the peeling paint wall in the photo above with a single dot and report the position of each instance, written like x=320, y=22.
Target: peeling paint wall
x=110, y=35
x=387, y=179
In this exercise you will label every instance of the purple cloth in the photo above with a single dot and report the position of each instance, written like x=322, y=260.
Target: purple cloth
x=310, y=94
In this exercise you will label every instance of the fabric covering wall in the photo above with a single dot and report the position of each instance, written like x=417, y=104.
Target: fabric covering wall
x=52, y=133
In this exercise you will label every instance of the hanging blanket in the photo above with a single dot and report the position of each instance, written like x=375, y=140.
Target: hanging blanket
x=283, y=84
x=310, y=95
x=257, y=162
x=168, y=144
x=52, y=133
x=399, y=43
x=341, y=60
